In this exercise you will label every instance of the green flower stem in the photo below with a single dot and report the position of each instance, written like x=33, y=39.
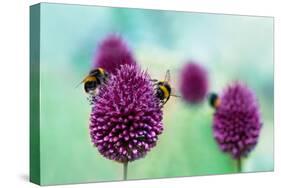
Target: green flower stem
x=239, y=165
x=125, y=170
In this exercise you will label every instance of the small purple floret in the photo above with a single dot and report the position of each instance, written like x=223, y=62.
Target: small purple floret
x=113, y=52
x=126, y=118
x=237, y=122
x=194, y=83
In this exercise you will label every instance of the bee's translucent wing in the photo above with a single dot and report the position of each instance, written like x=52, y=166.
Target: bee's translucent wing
x=168, y=76
x=82, y=81
x=174, y=93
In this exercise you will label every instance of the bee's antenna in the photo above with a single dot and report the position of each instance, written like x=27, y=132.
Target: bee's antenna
x=176, y=96
x=154, y=80
x=81, y=82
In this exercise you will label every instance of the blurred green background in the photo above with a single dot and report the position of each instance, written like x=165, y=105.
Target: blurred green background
x=230, y=47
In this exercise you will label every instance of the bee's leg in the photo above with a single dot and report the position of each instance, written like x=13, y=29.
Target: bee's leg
x=167, y=99
x=94, y=98
x=155, y=85
x=154, y=82
x=162, y=102
x=91, y=99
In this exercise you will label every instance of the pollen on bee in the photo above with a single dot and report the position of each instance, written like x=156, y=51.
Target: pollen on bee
x=217, y=103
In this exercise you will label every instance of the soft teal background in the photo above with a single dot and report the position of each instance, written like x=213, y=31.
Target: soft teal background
x=230, y=47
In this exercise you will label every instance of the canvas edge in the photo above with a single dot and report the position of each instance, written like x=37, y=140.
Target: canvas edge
x=34, y=80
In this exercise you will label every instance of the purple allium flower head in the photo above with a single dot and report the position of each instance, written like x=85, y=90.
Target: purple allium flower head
x=194, y=83
x=237, y=121
x=113, y=52
x=126, y=118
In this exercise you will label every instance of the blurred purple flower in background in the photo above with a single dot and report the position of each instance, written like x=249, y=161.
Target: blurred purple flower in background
x=194, y=83
x=126, y=119
x=237, y=121
x=113, y=52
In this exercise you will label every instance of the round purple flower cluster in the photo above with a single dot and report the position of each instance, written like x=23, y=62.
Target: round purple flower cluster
x=113, y=52
x=194, y=83
x=237, y=123
x=126, y=118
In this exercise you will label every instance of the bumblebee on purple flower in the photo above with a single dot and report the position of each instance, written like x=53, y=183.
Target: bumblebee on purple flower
x=163, y=89
x=93, y=81
x=236, y=121
x=126, y=116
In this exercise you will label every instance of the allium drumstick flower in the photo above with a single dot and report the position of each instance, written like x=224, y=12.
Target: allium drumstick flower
x=126, y=118
x=113, y=52
x=237, y=121
x=194, y=83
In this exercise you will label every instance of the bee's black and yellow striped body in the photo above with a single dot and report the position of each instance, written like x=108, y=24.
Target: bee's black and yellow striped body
x=214, y=100
x=163, y=91
x=95, y=78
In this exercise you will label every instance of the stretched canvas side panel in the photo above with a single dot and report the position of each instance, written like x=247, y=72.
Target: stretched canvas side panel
x=35, y=94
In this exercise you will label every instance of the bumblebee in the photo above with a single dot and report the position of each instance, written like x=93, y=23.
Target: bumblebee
x=95, y=78
x=214, y=100
x=163, y=89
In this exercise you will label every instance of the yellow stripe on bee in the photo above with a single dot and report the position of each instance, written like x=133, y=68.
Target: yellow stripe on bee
x=165, y=91
x=89, y=79
x=217, y=103
x=101, y=70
